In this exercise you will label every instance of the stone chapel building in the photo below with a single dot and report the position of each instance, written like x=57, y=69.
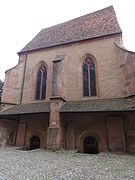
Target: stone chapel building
x=73, y=88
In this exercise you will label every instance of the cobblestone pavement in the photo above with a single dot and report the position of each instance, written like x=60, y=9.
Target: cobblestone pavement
x=64, y=165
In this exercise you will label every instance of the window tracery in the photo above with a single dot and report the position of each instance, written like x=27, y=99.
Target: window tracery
x=41, y=83
x=89, y=77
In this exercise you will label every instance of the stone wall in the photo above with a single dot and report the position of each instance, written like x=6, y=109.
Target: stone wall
x=127, y=59
x=13, y=83
x=32, y=125
x=83, y=125
x=129, y=120
x=7, y=132
x=102, y=50
x=112, y=131
x=107, y=64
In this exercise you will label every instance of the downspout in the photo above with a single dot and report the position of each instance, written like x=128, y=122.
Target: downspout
x=16, y=130
x=24, y=145
x=21, y=95
x=24, y=72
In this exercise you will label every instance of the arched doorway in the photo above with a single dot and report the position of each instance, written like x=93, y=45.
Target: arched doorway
x=34, y=142
x=90, y=145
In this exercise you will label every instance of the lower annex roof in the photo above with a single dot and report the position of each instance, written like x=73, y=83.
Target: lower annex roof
x=30, y=108
x=99, y=105
x=96, y=105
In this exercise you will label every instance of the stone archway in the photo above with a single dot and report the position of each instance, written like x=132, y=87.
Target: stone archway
x=90, y=145
x=40, y=135
x=34, y=142
x=91, y=138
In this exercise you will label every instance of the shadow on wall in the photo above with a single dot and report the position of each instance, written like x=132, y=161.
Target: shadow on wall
x=6, y=138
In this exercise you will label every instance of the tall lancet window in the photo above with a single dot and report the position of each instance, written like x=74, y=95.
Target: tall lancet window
x=89, y=78
x=41, y=83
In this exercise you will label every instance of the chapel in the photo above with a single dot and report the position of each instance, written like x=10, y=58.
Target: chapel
x=73, y=88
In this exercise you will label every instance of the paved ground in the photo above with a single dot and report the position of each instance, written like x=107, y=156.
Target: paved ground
x=64, y=165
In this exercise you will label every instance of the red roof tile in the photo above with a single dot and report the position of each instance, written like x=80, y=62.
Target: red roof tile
x=93, y=25
x=99, y=105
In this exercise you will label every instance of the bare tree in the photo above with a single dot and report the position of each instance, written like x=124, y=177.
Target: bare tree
x=1, y=88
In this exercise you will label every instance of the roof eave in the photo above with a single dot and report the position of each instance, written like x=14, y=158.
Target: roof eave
x=102, y=111
x=14, y=114
x=67, y=43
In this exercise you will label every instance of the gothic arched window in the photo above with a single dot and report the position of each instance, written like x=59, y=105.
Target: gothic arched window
x=89, y=78
x=41, y=83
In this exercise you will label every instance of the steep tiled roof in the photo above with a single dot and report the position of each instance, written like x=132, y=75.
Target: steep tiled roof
x=105, y=105
x=93, y=25
x=27, y=109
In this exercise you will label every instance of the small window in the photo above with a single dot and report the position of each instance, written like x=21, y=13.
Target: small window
x=41, y=83
x=89, y=78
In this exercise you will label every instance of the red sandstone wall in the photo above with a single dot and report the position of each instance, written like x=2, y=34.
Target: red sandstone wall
x=83, y=125
x=7, y=132
x=110, y=131
x=129, y=120
x=33, y=125
x=116, y=133
x=107, y=63
x=127, y=66
x=13, y=83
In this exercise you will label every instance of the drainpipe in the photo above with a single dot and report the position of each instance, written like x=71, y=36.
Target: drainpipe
x=16, y=129
x=24, y=145
x=21, y=95
x=24, y=74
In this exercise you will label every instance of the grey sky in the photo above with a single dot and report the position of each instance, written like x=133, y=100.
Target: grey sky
x=22, y=20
